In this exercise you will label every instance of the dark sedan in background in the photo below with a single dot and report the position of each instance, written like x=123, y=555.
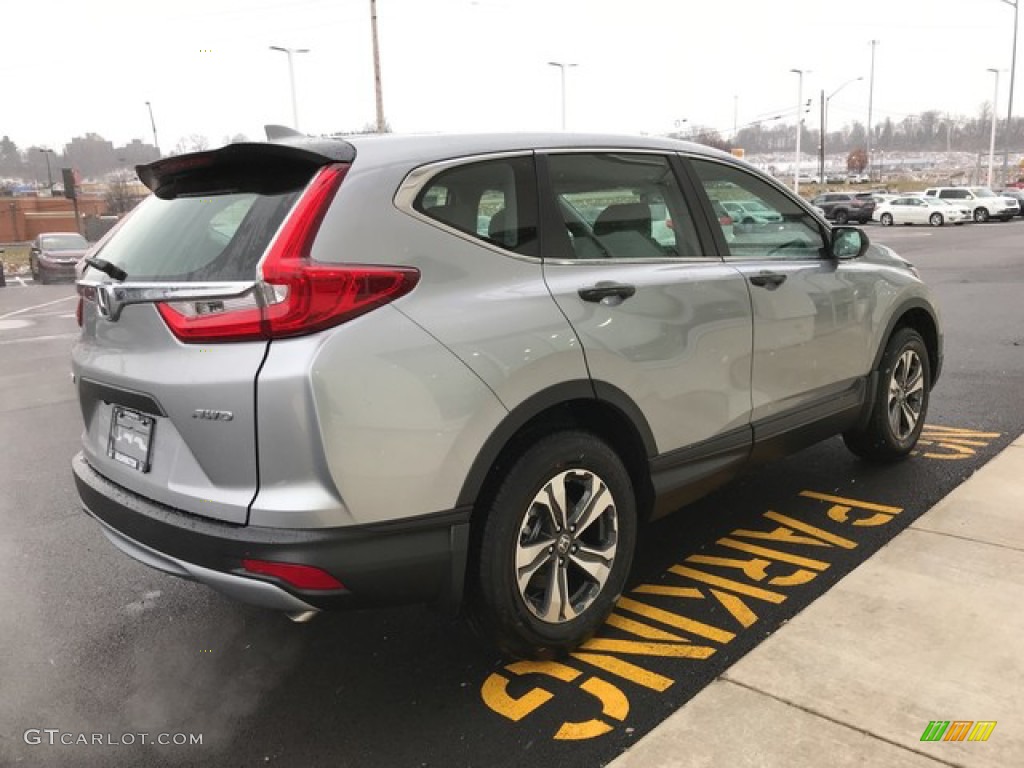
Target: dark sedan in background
x=55, y=255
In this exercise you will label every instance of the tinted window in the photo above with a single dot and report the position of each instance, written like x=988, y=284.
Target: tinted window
x=219, y=237
x=790, y=232
x=622, y=206
x=493, y=200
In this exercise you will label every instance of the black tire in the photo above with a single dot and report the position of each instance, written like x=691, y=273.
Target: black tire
x=886, y=219
x=981, y=215
x=936, y=220
x=901, y=401
x=43, y=278
x=527, y=560
x=842, y=216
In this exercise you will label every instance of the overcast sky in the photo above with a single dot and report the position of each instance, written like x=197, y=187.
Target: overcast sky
x=72, y=66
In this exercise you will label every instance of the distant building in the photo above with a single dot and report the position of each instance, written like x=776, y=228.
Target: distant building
x=136, y=153
x=91, y=155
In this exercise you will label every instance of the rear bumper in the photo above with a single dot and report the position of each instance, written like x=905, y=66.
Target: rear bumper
x=418, y=560
x=56, y=271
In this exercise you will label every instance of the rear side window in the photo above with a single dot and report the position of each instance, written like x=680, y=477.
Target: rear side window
x=617, y=205
x=493, y=200
x=196, y=239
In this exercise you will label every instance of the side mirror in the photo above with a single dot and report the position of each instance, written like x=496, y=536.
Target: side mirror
x=848, y=243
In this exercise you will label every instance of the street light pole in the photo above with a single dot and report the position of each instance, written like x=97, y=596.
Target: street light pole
x=824, y=118
x=562, y=66
x=992, y=140
x=152, y=122
x=291, y=77
x=871, y=103
x=49, y=174
x=1009, y=108
x=799, y=125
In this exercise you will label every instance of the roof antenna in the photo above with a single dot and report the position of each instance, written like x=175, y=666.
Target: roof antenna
x=275, y=132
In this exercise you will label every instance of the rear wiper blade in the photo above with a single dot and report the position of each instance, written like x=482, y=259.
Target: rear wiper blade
x=107, y=268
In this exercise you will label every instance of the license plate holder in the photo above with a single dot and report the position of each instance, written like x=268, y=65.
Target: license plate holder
x=131, y=438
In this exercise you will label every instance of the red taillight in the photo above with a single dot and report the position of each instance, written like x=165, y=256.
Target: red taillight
x=298, y=576
x=301, y=296
x=80, y=312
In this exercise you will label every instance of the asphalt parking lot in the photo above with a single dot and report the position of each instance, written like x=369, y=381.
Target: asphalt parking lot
x=103, y=645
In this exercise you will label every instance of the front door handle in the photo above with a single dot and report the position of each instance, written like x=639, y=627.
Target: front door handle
x=769, y=280
x=604, y=290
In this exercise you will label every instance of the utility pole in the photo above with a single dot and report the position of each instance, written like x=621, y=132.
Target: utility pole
x=871, y=100
x=49, y=173
x=377, y=90
x=1009, y=108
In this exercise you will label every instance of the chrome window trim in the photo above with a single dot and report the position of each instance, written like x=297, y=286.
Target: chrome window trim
x=419, y=177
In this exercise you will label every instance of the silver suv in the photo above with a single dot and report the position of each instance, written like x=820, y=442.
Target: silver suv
x=317, y=373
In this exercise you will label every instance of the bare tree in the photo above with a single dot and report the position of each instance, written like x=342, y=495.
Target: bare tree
x=194, y=143
x=123, y=192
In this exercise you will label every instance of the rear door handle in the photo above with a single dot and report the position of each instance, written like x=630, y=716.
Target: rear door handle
x=604, y=290
x=769, y=280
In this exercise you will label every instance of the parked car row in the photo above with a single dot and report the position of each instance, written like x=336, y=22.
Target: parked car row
x=936, y=206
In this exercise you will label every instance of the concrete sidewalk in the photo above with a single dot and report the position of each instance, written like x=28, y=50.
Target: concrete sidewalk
x=930, y=628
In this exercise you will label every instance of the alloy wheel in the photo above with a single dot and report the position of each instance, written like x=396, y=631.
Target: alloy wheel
x=566, y=546
x=906, y=394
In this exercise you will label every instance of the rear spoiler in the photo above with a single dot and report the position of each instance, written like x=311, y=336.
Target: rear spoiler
x=284, y=163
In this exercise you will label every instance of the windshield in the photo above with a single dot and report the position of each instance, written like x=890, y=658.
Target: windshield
x=68, y=242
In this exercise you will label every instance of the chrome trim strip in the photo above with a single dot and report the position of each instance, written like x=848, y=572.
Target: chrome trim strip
x=112, y=298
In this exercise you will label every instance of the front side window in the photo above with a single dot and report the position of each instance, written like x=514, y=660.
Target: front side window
x=493, y=200
x=773, y=225
x=618, y=205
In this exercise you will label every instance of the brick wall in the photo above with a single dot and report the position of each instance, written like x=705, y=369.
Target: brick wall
x=22, y=218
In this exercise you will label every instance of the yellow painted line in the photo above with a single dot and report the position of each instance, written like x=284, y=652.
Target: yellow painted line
x=614, y=703
x=641, y=648
x=640, y=629
x=857, y=504
x=627, y=671
x=665, y=591
x=932, y=429
x=578, y=731
x=495, y=694
x=799, y=525
x=755, y=570
x=734, y=605
x=692, y=626
x=780, y=534
x=729, y=584
x=795, y=579
x=774, y=554
x=549, y=668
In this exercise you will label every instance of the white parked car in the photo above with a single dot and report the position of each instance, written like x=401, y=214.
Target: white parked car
x=919, y=209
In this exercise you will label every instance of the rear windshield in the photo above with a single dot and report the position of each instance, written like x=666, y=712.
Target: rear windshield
x=194, y=239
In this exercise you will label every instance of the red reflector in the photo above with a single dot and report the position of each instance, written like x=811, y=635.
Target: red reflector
x=80, y=312
x=299, y=576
